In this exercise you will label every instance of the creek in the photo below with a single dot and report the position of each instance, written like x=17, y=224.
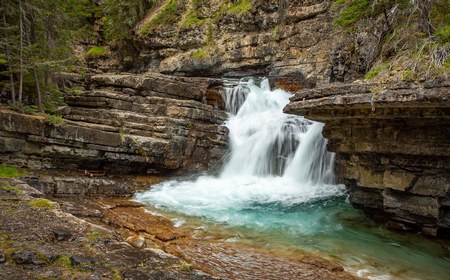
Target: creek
x=276, y=190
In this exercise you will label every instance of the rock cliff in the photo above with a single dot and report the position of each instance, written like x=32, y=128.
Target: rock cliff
x=391, y=140
x=293, y=42
x=393, y=148
x=129, y=123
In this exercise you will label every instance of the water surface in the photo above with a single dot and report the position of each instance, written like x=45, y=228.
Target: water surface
x=276, y=191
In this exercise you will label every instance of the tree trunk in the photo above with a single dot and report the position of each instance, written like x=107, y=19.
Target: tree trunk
x=37, y=89
x=9, y=59
x=21, y=53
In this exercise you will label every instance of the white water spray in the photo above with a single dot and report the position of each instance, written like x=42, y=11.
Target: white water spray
x=274, y=158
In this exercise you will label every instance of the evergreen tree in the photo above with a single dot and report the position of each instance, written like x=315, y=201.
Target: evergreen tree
x=38, y=38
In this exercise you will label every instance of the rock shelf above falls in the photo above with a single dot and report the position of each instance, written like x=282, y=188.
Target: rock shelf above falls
x=393, y=148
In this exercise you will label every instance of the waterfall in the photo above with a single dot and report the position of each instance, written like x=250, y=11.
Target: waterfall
x=264, y=141
x=274, y=159
x=276, y=190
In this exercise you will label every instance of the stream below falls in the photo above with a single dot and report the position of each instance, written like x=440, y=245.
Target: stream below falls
x=276, y=191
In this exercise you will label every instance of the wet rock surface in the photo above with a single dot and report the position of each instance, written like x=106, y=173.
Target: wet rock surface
x=42, y=240
x=57, y=239
x=393, y=148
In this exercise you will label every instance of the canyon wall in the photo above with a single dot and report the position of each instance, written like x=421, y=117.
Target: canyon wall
x=393, y=148
x=293, y=42
x=149, y=111
x=127, y=123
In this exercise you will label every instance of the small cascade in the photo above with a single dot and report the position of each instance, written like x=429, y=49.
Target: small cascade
x=264, y=140
x=276, y=190
x=274, y=158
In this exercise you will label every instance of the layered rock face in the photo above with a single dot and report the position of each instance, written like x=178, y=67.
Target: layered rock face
x=128, y=123
x=393, y=148
x=292, y=42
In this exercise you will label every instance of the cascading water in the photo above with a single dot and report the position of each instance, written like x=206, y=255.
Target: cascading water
x=277, y=183
x=274, y=158
x=263, y=139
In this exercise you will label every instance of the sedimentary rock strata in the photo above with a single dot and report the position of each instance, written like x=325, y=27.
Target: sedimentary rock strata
x=393, y=148
x=129, y=123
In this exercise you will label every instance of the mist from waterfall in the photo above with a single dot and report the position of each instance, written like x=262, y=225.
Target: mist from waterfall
x=274, y=158
x=276, y=190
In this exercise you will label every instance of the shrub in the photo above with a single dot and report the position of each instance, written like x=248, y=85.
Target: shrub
x=96, y=51
x=374, y=72
x=54, y=119
x=10, y=172
x=41, y=203
x=167, y=15
x=199, y=54
x=10, y=189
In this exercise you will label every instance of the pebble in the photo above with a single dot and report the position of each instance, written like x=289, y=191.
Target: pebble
x=137, y=241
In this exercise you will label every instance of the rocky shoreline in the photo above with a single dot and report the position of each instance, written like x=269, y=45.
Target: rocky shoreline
x=65, y=237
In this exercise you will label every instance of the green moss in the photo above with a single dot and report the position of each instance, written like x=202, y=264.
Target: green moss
x=96, y=51
x=94, y=236
x=64, y=261
x=10, y=172
x=185, y=266
x=374, y=72
x=276, y=32
x=54, y=119
x=116, y=274
x=407, y=75
x=240, y=7
x=10, y=189
x=41, y=203
x=166, y=15
x=191, y=20
x=199, y=54
x=122, y=134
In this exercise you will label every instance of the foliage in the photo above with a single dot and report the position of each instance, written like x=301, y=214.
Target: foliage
x=96, y=51
x=116, y=274
x=41, y=203
x=407, y=75
x=10, y=189
x=416, y=34
x=37, y=38
x=10, y=172
x=199, y=54
x=238, y=7
x=166, y=15
x=353, y=12
x=374, y=72
x=185, y=266
x=94, y=235
x=191, y=19
x=120, y=16
x=54, y=119
x=64, y=261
